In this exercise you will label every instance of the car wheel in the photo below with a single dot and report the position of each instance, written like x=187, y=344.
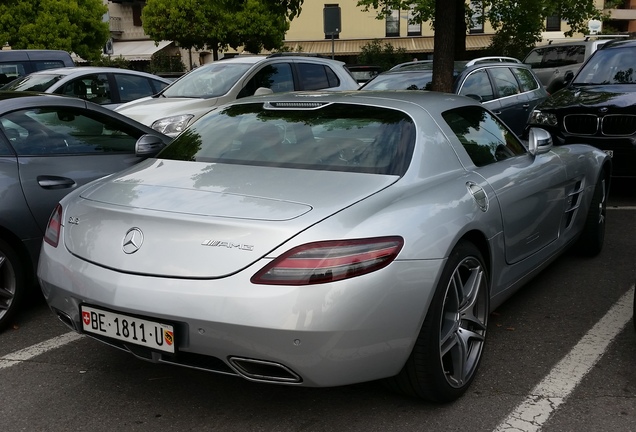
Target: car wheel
x=12, y=284
x=591, y=241
x=449, y=346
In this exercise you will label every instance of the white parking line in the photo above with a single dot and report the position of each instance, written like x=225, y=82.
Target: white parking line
x=546, y=397
x=18, y=357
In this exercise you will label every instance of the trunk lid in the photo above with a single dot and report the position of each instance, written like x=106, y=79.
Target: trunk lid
x=201, y=220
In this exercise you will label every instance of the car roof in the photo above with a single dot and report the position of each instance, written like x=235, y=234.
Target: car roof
x=6, y=96
x=81, y=70
x=257, y=58
x=397, y=99
x=619, y=43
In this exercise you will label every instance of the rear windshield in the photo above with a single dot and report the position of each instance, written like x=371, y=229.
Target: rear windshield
x=37, y=82
x=338, y=137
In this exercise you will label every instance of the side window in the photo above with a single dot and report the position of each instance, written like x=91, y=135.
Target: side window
x=574, y=54
x=484, y=137
x=63, y=130
x=534, y=58
x=277, y=77
x=315, y=76
x=94, y=88
x=477, y=85
x=504, y=81
x=10, y=71
x=526, y=79
x=5, y=150
x=132, y=87
x=158, y=85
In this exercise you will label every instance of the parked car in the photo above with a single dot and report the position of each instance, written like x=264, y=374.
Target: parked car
x=363, y=73
x=217, y=83
x=238, y=250
x=105, y=86
x=552, y=62
x=597, y=107
x=49, y=146
x=17, y=63
x=509, y=89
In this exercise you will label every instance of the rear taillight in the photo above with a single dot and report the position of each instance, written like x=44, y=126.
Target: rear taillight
x=52, y=233
x=329, y=261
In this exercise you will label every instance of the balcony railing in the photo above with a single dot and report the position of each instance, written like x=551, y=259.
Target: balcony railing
x=114, y=25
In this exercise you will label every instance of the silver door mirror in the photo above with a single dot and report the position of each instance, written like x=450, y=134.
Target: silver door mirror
x=539, y=141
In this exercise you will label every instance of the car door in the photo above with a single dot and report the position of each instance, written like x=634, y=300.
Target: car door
x=59, y=149
x=477, y=85
x=530, y=189
x=513, y=102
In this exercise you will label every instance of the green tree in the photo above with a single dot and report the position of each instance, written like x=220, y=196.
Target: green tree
x=381, y=54
x=70, y=25
x=218, y=24
x=518, y=24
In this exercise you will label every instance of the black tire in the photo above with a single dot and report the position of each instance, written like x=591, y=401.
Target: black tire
x=592, y=237
x=448, y=349
x=12, y=284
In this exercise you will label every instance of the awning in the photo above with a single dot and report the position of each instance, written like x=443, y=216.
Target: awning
x=415, y=44
x=138, y=50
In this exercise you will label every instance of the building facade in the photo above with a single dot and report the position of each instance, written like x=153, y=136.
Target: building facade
x=313, y=31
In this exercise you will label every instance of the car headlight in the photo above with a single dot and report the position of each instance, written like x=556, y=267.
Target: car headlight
x=172, y=126
x=542, y=118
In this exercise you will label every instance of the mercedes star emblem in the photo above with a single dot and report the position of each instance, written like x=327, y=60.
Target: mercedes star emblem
x=133, y=240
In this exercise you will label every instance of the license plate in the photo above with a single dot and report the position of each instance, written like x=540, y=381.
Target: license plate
x=150, y=334
x=610, y=153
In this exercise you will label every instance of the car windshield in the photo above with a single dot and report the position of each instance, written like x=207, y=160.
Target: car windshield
x=208, y=81
x=308, y=135
x=608, y=66
x=36, y=82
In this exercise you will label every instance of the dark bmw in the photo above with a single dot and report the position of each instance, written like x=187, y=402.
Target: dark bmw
x=598, y=106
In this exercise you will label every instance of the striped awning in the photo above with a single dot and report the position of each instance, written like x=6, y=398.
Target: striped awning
x=414, y=44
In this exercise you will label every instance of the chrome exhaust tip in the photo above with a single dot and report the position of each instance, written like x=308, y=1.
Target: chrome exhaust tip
x=66, y=320
x=264, y=371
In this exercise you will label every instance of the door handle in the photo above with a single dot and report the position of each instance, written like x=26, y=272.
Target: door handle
x=55, y=182
x=496, y=112
x=526, y=105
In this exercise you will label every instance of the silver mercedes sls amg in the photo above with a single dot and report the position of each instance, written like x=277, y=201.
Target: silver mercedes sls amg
x=323, y=239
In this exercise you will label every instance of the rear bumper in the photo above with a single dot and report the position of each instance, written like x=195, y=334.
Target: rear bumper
x=350, y=331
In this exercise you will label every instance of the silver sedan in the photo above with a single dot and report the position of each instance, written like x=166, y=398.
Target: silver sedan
x=323, y=239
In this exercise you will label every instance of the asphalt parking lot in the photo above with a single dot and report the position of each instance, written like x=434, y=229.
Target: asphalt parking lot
x=560, y=356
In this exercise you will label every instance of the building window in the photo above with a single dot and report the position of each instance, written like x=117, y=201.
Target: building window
x=477, y=9
x=393, y=23
x=332, y=35
x=413, y=29
x=136, y=10
x=553, y=23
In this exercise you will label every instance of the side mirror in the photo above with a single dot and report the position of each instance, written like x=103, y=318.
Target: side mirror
x=539, y=141
x=568, y=77
x=148, y=145
x=263, y=91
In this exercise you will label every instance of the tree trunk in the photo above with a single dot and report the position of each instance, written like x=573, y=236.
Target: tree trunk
x=460, y=30
x=444, y=45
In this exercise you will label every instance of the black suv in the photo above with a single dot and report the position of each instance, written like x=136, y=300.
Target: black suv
x=504, y=86
x=598, y=106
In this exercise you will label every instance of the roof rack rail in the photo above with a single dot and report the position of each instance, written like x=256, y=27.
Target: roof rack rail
x=493, y=59
x=586, y=38
x=297, y=54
